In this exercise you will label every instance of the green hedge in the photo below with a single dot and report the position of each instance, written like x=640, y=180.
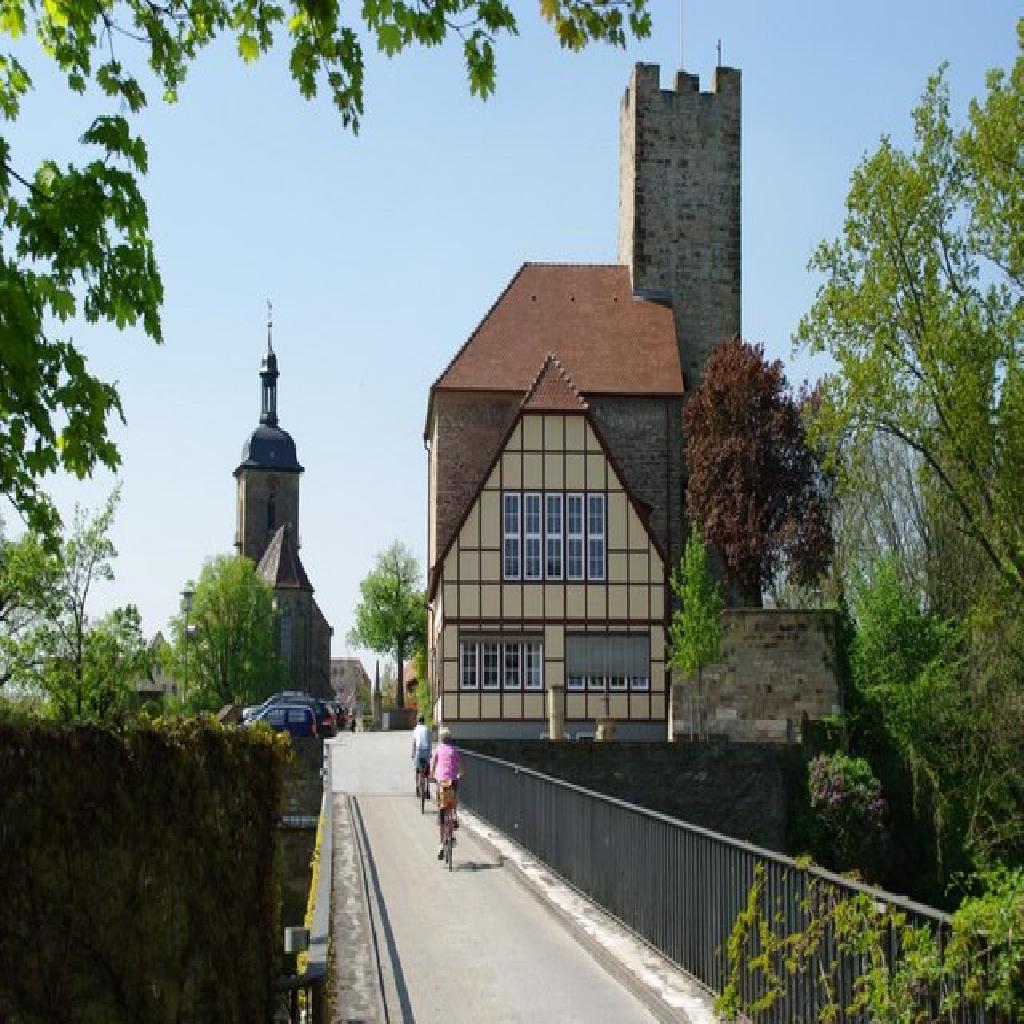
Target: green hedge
x=138, y=872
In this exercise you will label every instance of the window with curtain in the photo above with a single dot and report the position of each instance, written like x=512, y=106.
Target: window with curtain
x=613, y=663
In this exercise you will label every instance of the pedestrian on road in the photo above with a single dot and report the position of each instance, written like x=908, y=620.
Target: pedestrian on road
x=446, y=768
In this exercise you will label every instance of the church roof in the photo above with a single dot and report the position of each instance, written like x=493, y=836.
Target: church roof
x=280, y=565
x=608, y=339
x=270, y=448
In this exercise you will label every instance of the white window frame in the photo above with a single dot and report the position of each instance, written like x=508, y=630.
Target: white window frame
x=554, y=499
x=533, y=536
x=512, y=681
x=576, y=538
x=597, y=536
x=490, y=670
x=471, y=648
x=511, y=538
x=533, y=674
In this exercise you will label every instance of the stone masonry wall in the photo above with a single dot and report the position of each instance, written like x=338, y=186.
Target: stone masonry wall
x=777, y=667
x=743, y=791
x=254, y=489
x=645, y=438
x=679, y=203
x=467, y=430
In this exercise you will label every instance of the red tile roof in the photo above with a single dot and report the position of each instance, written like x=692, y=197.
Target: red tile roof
x=608, y=340
x=553, y=390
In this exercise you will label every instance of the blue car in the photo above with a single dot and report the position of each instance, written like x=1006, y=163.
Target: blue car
x=296, y=719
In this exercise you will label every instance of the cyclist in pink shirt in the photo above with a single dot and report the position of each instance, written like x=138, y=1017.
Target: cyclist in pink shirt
x=445, y=766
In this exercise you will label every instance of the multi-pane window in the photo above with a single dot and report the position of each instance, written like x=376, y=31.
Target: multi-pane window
x=533, y=655
x=574, y=536
x=490, y=677
x=468, y=677
x=510, y=534
x=531, y=537
x=612, y=663
x=553, y=536
x=513, y=666
x=595, y=536
x=492, y=664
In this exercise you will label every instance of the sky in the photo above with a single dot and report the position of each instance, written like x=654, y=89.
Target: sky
x=381, y=251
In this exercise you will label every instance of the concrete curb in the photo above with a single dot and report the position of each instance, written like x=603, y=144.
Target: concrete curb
x=638, y=981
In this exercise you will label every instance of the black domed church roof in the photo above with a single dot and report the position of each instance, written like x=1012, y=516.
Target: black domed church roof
x=268, y=446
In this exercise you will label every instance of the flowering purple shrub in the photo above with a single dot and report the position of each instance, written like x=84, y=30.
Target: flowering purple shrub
x=851, y=812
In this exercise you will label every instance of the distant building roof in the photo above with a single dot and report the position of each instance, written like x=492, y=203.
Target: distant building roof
x=607, y=339
x=280, y=565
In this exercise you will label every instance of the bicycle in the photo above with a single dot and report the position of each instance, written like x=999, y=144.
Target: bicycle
x=422, y=783
x=446, y=814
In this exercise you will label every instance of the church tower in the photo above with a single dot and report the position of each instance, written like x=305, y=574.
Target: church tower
x=268, y=475
x=679, y=204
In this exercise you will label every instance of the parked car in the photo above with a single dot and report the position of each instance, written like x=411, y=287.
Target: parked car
x=326, y=722
x=297, y=719
x=276, y=698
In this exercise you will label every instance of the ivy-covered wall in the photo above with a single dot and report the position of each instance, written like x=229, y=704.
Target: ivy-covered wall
x=138, y=873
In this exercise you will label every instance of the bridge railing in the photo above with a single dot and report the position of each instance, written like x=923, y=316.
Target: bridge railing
x=681, y=887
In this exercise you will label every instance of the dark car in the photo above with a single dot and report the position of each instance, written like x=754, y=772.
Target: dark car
x=326, y=722
x=297, y=719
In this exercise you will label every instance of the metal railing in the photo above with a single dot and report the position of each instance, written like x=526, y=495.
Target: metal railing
x=680, y=887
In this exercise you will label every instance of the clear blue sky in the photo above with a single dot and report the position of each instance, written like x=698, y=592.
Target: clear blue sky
x=382, y=251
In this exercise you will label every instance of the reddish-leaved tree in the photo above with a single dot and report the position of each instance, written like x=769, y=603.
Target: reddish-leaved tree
x=756, y=490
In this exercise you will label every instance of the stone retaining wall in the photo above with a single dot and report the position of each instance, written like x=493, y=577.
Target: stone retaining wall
x=744, y=791
x=779, y=668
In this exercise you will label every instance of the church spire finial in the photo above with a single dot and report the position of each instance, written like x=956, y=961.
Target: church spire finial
x=269, y=375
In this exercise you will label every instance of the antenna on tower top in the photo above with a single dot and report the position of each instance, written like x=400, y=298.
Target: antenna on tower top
x=719, y=48
x=270, y=326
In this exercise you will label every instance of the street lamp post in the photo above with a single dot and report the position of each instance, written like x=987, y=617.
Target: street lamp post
x=186, y=606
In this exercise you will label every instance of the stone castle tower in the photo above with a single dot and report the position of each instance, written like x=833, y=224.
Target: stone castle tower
x=679, y=204
x=267, y=531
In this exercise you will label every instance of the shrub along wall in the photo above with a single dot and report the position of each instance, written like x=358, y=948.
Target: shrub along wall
x=138, y=873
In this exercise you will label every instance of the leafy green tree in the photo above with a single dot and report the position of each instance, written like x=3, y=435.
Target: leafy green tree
x=229, y=654
x=922, y=310
x=87, y=668
x=77, y=239
x=695, y=629
x=28, y=575
x=391, y=617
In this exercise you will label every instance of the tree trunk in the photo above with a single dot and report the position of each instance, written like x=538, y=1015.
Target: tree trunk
x=400, y=681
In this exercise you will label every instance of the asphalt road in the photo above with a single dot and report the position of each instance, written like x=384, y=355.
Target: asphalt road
x=471, y=945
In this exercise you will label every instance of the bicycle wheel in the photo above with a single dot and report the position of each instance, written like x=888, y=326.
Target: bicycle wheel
x=424, y=789
x=448, y=847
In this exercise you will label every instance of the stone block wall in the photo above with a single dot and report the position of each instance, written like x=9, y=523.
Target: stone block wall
x=778, y=667
x=743, y=791
x=466, y=432
x=255, y=488
x=645, y=438
x=679, y=203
